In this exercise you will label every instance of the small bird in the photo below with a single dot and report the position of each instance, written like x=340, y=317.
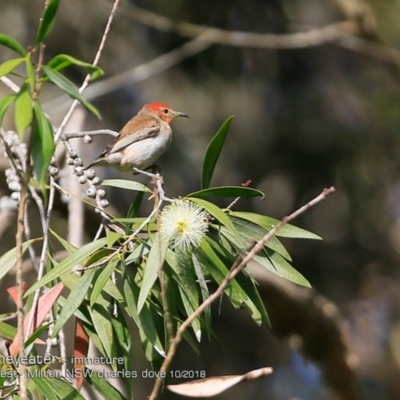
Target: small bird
x=142, y=140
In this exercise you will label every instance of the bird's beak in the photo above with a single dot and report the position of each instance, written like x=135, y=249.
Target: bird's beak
x=179, y=114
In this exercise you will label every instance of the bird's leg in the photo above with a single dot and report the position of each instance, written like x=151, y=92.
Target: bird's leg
x=156, y=181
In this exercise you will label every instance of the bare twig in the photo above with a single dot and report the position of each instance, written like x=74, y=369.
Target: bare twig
x=236, y=268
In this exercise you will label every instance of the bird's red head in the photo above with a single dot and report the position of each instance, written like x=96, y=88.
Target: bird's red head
x=164, y=111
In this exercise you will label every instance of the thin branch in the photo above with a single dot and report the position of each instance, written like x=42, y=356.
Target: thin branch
x=236, y=268
x=74, y=135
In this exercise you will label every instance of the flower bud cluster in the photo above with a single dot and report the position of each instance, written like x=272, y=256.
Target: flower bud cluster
x=87, y=175
x=17, y=150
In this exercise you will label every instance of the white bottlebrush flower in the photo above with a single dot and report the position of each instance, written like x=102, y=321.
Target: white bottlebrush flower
x=184, y=224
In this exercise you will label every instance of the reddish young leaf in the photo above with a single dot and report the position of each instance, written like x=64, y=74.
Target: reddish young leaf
x=13, y=292
x=44, y=306
x=81, y=347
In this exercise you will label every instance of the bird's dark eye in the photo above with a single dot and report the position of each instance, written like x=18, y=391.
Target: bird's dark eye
x=165, y=111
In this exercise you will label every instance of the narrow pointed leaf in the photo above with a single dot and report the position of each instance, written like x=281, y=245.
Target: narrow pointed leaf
x=105, y=388
x=68, y=263
x=47, y=21
x=216, y=212
x=12, y=44
x=279, y=266
x=10, y=65
x=102, y=280
x=8, y=260
x=100, y=313
x=63, y=389
x=228, y=191
x=212, y=153
x=69, y=87
x=125, y=184
x=287, y=230
x=23, y=110
x=5, y=103
x=62, y=61
x=81, y=348
x=44, y=387
x=74, y=300
x=42, y=145
x=155, y=260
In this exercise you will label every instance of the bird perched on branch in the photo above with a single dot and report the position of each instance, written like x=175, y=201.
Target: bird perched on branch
x=142, y=140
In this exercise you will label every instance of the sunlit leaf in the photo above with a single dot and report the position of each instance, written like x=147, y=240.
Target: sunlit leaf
x=12, y=44
x=212, y=153
x=5, y=103
x=47, y=21
x=125, y=184
x=68, y=263
x=227, y=191
x=62, y=61
x=10, y=65
x=102, y=280
x=8, y=260
x=23, y=110
x=63, y=389
x=42, y=144
x=105, y=388
x=156, y=258
x=74, y=300
x=216, y=212
x=100, y=312
x=279, y=266
x=268, y=223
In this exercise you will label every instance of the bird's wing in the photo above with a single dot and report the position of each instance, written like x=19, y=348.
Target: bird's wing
x=126, y=138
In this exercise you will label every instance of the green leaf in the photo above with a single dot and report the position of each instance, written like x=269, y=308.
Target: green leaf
x=204, y=292
x=12, y=44
x=66, y=265
x=74, y=300
x=123, y=345
x=100, y=313
x=125, y=184
x=62, y=61
x=186, y=278
x=67, y=245
x=10, y=65
x=234, y=291
x=42, y=145
x=144, y=320
x=155, y=260
x=134, y=210
x=112, y=237
x=7, y=331
x=43, y=386
x=5, y=103
x=216, y=212
x=228, y=191
x=212, y=153
x=268, y=223
x=47, y=21
x=102, y=280
x=69, y=87
x=279, y=266
x=23, y=110
x=63, y=389
x=250, y=230
x=105, y=388
x=8, y=260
